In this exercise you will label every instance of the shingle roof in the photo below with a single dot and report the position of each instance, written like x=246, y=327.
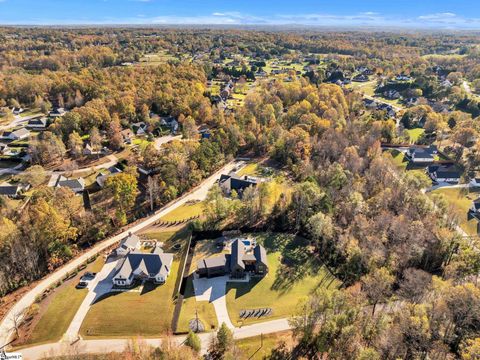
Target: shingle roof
x=260, y=254
x=149, y=264
x=237, y=253
x=130, y=241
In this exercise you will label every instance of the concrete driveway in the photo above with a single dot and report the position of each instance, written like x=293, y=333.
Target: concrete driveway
x=101, y=285
x=214, y=290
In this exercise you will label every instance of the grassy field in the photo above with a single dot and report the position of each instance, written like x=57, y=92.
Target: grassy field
x=460, y=200
x=256, y=348
x=61, y=309
x=191, y=308
x=58, y=316
x=251, y=169
x=415, y=134
x=126, y=314
x=184, y=212
x=293, y=275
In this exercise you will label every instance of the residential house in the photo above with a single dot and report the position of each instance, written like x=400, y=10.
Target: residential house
x=104, y=174
x=76, y=185
x=444, y=173
x=243, y=259
x=57, y=112
x=475, y=208
x=128, y=244
x=392, y=94
x=88, y=149
x=370, y=104
x=128, y=136
x=169, y=122
x=233, y=182
x=4, y=149
x=140, y=129
x=412, y=101
x=19, y=134
x=360, y=78
x=403, y=77
x=138, y=266
x=37, y=124
x=13, y=191
x=17, y=110
x=420, y=155
x=475, y=182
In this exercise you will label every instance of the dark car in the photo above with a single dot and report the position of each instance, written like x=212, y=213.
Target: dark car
x=88, y=276
x=81, y=285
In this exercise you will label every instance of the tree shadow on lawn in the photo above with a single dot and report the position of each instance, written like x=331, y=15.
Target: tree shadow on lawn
x=297, y=263
x=243, y=288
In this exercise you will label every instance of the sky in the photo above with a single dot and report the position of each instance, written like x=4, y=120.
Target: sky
x=415, y=14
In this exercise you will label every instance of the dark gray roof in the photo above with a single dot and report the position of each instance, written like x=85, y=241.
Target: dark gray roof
x=213, y=262
x=237, y=253
x=260, y=254
x=232, y=182
x=149, y=264
x=9, y=190
x=443, y=171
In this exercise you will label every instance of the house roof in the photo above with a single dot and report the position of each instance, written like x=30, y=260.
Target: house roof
x=234, y=182
x=9, y=189
x=443, y=171
x=21, y=132
x=476, y=204
x=420, y=152
x=237, y=254
x=213, y=262
x=74, y=184
x=150, y=265
x=130, y=241
x=38, y=121
x=260, y=254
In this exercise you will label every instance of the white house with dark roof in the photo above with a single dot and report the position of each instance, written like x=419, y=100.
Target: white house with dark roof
x=57, y=112
x=38, y=123
x=105, y=174
x=13, y=190
x=19, y=134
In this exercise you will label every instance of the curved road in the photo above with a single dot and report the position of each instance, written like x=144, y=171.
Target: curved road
x=199, y=193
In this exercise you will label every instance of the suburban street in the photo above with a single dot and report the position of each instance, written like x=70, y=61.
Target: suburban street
x=109, y=345
x=199, y=193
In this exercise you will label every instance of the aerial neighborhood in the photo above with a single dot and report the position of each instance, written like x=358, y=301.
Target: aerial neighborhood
x=181, y=192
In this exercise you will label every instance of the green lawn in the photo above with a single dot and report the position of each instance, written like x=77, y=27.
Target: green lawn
x=191, y=308
x=125, y=314
x=415, y=134
x=251, y=169
x=256, y=348
x=293, y=275
x=184, y=212
x=58, y=316
x=460, y=200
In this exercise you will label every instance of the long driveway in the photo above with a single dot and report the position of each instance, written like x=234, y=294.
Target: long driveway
x=199, y=193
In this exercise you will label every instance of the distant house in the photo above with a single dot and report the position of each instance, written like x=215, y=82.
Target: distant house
x=419, y=155
x=140, y=129
x=76, y=185
x=412, y=101
x=128, y=136
x=169, y=122
x=360, y=78
x=403, y=77
x=4, y=149
x=104, y=174
x=233, y=182
x=364, y=70
x=57, y=112
x=446, y=84
x=243, y=259
x=128, y=244
x=392, y=94
x=444, y=173
x=475, y=182
x=88, y=149
x=370, y=104
x=475, y=208
x=13, y=191
x=138, y=266
x=19, y=134
x=17, y=110
x=37, y=124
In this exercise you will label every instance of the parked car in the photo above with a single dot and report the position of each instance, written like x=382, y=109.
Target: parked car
x=81, y=285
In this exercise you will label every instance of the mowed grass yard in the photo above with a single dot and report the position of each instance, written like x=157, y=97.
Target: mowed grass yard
x=125, y=314
x=61, y=309
x=184, y=212
x=294, y=274
x=415, y=134
x=191, y=308
x=255, y=349
x=461, y=200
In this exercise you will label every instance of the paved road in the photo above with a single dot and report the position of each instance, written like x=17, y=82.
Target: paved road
x=109, y=345
x=199, y=193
